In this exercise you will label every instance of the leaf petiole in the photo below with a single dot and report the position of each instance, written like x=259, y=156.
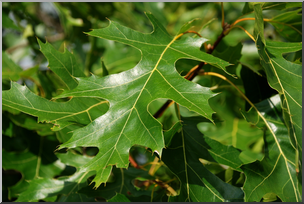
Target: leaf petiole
x=224, y=78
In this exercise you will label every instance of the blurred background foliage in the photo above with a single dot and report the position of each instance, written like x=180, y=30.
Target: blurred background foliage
x=63, y=25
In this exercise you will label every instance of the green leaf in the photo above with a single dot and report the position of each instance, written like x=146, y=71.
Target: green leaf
x=104, y=69
x=25, y=161
x=10, y=70
x=30, y=123
x=117, y=57
x=239, y=134
x=42, y=188
x=259, y=22
x=7, y=125
x=73, y=159
x=168, y=135
x=270, y=197
x=62, y=114
x=123, y=184
x=119, y=198
x=8, y=23
x=278, y=166
x=66, y=133
x=38, y=160
x=231, y=54
x=63, y=64
x=193, y=25
x=197, y=183
x=289, y=25
x=286, y=78
x=256, y=86
x=128, y=122
x=64, y=187
x=249, y=6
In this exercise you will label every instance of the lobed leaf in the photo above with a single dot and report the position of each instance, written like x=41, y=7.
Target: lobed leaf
x=289, y=25
x=198, y=184
x=278, y=166
x=36, y=160
x=64, y=188
x=286, y=78
x=62, y=114
x=123, y=184
x=127, y=121
x=63, y=64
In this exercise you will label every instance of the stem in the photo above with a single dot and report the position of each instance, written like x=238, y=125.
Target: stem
x=42, y=93
x=190, y=31
x=264, y=19
x=237, y=26
x=152, y=168
x=160, y=111
x=242, y=19
x=224, y=78
x=39, y=158
x=195, y=70
x=133, y=162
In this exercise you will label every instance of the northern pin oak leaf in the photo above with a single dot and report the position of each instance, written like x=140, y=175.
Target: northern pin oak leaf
x=129, y=93
x=128, y=121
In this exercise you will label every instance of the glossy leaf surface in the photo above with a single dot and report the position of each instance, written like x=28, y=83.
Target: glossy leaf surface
x=65, y=186
x=122, y=183
x=63, y=64
x=289, y=25
x=129, y=93
x=278, y=166
x=62, y=114
x=198, y=184
x=286, y=78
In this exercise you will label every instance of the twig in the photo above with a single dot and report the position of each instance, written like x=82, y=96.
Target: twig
x=195, y=70
x=223, y=15
x=133, y=162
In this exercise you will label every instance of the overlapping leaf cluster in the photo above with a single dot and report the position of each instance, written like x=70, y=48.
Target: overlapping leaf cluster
x=112, y=114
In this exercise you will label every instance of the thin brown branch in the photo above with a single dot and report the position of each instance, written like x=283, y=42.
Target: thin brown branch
x=160, y=111
x=195, y=70
x=133, y=162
